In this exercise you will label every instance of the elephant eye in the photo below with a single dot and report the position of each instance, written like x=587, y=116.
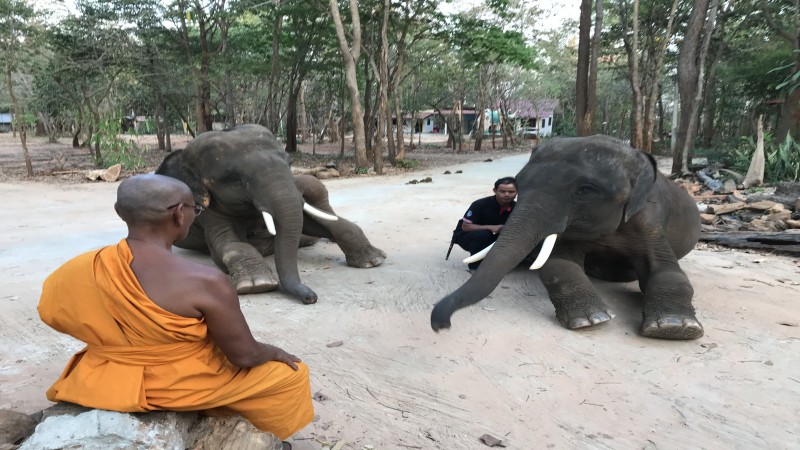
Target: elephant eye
x=585, y=190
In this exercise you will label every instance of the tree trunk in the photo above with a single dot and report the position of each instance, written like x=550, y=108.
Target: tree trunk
x=291, y=120
x=303, y=116
x=582, y=76
x=350, y=58
x=588, y=54
x=18, y=121
x=691, y=68
x=369, y=124
x=479, y=111
x=273, y=122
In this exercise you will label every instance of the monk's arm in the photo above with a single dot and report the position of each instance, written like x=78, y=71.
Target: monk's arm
x=229, y=330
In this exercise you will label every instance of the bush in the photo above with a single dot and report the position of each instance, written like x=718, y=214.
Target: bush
x=782, y=161
x=407, y=163
x=117, y=150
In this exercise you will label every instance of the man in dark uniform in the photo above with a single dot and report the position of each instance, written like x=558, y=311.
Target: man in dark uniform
x=484, y=219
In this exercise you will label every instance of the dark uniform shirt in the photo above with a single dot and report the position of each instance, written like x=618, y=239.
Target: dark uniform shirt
x=485, y=211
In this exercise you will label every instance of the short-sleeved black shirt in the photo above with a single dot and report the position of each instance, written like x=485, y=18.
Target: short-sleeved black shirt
x=485, y=211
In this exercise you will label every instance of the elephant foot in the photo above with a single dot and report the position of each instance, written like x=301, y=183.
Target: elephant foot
x=253, y=284
x=366, y=258
x=672, y=326
x=308, y=241
x=584, y=316
x=251, y=276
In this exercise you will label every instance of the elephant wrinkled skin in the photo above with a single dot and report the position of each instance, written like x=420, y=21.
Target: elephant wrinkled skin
x=240, y=174
x=616, y=218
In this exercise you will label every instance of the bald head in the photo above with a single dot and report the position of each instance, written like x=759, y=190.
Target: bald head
x=145, y=198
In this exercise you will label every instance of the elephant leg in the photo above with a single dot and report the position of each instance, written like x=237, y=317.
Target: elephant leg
x=348, y=236
x=668, y=312
x=358, y=251
x=576, y=302
x=248, y=271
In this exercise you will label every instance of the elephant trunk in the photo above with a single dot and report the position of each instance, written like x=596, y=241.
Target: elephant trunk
x=282, y=202
x=517, y=240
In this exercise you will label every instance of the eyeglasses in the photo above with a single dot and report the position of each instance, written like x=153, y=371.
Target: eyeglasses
x=197, y=208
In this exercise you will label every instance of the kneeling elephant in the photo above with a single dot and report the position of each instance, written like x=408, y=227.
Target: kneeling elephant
x=603, y=209
x=256, y=207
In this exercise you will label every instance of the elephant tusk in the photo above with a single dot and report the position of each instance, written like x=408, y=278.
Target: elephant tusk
x=319, y=214
x=478, y=256
x=547, y=248
x=270, y=222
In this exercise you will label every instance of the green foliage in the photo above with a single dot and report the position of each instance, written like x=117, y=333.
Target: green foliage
x=118, y=150
x=407, y=163
x=782, y=161
x=361, y=170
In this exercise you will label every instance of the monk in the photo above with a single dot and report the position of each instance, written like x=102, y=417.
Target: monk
x=162, y=332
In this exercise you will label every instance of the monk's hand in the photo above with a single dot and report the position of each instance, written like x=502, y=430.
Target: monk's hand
x=276, y=354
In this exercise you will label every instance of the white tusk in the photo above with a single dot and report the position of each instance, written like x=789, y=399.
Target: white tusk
x=319, y=214
x=270, y=222
x=547, y=248
x=478, y=256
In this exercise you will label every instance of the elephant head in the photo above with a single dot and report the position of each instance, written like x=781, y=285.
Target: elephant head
x=571, y=190
x=242, y=176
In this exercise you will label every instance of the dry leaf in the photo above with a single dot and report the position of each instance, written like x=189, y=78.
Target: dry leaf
x=335, y=344
x=320, y=397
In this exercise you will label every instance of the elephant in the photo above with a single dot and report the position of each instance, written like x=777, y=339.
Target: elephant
x=597, y=207
x=255, y=207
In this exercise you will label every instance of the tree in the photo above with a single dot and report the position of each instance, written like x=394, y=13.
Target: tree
x=784, y=18
x=588, y=54
x=350, y=55
x=691, y=77
x=16, y=31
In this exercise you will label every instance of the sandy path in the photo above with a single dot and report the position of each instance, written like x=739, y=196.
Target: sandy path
x=507, y=368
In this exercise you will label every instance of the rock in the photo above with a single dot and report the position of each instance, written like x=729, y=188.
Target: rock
x=761, y=205
x=780, y=215
x=728, y=187
x=793, y=224
x=777, y=208
x=708, y=219
x=797, y=205
x=110, y=174
x=763, y=225
x=214, y=433
x=14, y=426
x=66, y=426
x=72, y=426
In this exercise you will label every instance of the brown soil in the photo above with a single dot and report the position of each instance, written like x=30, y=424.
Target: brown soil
x=59, y=162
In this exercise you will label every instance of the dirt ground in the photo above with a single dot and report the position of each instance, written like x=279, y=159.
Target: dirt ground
x=506, y=368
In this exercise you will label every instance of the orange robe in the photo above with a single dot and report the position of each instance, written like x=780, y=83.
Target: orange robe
x=140, y=357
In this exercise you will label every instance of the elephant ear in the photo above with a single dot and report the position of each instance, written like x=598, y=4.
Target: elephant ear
x=174, y=166
x=643, y=177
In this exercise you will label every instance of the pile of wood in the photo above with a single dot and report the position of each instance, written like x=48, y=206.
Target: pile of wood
x=766, y=218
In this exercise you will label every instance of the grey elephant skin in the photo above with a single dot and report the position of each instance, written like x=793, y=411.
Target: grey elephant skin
x=237, y=175
x=616, y=218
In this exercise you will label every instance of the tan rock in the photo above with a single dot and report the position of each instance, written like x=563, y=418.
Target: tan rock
x=781, y=215
x=793, y=224
x=213, y=433
x=725, y=208
x=777, y=208
x=763, y=205
x=762, y=225
x=707, y=219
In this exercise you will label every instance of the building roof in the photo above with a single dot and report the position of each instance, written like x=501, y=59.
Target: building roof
x=5, y=118
x=531, y=108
